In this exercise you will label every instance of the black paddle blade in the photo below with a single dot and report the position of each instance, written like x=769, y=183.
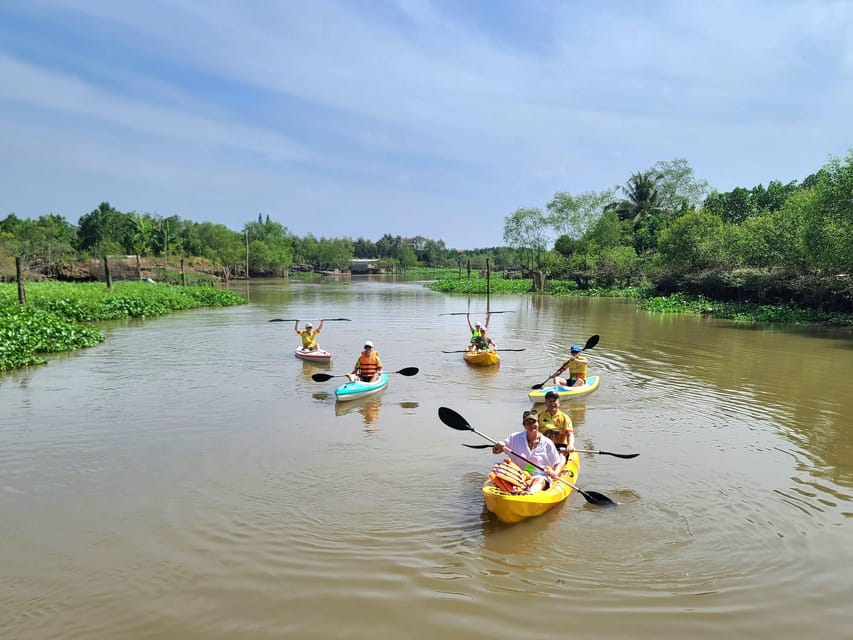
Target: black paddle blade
x=453, y=420
x=408, y=371
x=593, y=340
x=477, y=446
x=322, y=377
x=626, y=456
x=335, y=320
x=593, y=497
x=283, y=320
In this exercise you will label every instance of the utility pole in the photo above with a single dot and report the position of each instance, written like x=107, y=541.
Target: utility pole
x=247, y=253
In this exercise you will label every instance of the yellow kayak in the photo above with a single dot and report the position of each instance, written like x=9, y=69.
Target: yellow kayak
x=510, y=508
x=483, y=358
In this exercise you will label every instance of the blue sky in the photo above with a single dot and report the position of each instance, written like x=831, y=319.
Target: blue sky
x=409, y=117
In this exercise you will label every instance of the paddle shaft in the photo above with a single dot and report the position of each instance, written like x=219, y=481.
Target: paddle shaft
x=530, y=462
x=593, y=340
x=322, y=377
x=470, y=351
x=624, y=456
x=297, y=319
x=468, y=313
x=456, y=421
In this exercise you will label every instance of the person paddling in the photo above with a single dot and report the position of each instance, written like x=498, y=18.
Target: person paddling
x=577, y=365
x=536, y=447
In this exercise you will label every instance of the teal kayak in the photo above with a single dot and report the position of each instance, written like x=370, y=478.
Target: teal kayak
x=359, y=389
x=538, y=395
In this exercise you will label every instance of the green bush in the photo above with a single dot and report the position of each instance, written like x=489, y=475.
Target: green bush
x=51, y=319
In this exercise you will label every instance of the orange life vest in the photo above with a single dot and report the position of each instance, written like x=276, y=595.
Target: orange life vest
x=508, y=476
x=367, y=365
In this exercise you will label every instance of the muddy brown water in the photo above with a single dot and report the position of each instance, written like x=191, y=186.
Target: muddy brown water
x=188, y=479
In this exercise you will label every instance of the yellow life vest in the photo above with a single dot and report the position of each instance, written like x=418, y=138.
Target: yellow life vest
x=309, y=338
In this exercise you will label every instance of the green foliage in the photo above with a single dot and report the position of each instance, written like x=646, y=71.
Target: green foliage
x=828, y=227
x=50, y=321
x=270, y=247
x=742, y=311
x=570, y=216
x=678, y=189
x=105, y=230
x=694, y=242
x=477, y=285
x=526, y=230
x=608, y=232
x=642, y=197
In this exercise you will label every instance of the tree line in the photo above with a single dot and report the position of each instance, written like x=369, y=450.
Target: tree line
x=263, y=247
x=659, y=229
x=668, y=229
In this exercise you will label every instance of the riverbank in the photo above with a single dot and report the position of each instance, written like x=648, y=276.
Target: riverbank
x=57, y=315
x=742, y=311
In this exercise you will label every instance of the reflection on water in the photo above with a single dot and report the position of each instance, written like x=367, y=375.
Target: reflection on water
x=367, y=407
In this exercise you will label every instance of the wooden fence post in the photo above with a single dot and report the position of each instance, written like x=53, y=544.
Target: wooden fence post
x=107, y=275
x=22, y=293
x=183, y=274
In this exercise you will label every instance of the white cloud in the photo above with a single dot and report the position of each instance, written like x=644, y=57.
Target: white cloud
x=411, y=106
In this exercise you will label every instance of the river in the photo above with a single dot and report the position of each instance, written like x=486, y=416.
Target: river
x=188, y=479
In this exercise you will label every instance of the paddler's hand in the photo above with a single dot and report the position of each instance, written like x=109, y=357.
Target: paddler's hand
x=498, y=448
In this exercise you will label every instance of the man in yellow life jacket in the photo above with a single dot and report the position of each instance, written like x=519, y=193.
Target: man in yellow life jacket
x=368, y=367
x=577, y=366
x=556, y=425
x=308, y=335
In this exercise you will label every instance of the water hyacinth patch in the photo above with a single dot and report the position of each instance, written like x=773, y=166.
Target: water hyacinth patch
x=54, y=317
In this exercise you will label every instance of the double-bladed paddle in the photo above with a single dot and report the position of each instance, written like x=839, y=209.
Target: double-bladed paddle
x=626, y=456
x=297, y=320
x=593, y=340
x=322, y=377
x=466, y=313
x=469, y=351
x=455, y=421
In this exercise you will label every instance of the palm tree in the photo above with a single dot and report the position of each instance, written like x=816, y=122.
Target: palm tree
x=142, y=238
x=642, y=198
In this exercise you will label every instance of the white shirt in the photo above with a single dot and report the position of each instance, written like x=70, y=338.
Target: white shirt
x=544, y=454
